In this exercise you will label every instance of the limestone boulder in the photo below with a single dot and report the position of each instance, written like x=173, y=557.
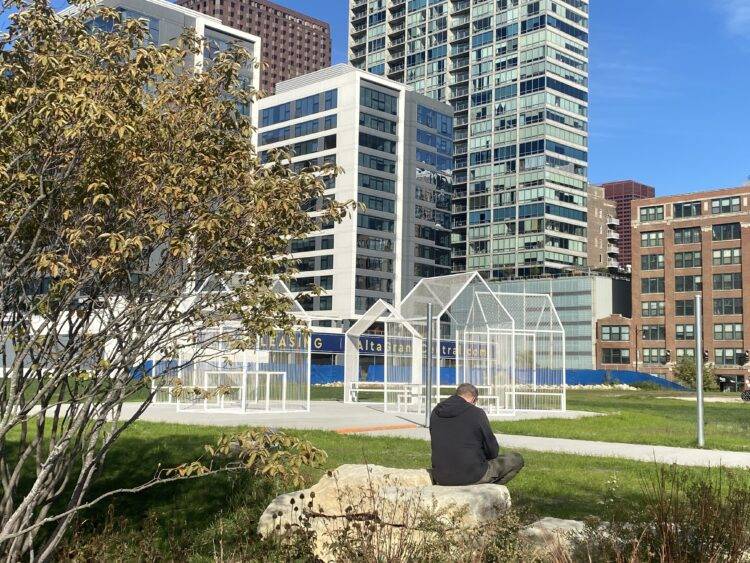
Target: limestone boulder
x=553, y=535
x=396, y=499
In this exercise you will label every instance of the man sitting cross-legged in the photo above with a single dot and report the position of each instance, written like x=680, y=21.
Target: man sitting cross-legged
x=464, y=449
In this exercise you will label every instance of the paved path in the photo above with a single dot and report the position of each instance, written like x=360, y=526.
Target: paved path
x=371, y=420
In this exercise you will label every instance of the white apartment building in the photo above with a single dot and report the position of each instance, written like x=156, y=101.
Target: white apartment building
x=167, y=21
x=395, y=148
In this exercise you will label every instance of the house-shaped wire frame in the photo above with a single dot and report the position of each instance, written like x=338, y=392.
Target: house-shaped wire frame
x=217, y=373
x=539, y=361
x=514, y=355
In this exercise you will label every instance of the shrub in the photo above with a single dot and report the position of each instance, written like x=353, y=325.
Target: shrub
x=685, y=372
x=686, y=519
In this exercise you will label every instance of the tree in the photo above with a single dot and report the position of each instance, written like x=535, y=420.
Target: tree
x=134, y=213
x=686, y=372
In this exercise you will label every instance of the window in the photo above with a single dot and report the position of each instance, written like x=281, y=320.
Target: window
x=374, y=223
x=330, y=99
x=684, y=308
x=725, y=205
x=689, y=235
x=728, y=331
x=276, y=114
x=374, y=243
x=377, y=100
x=688, y=283
x=307, y=106
x=374, y=263
x=728, y=356
x=652, y=285
x=652, y=262
x=725, y=282
x=303, y=245
x=377, y=163
x=377, y=123
x=651, y=213
x=726, y=231
x=652, y=238
x=728, y=306
x=652, y=308
x=684, y=332
x=615, y=356
x=375, y=183
x=377, y=203
x=688, y=209
x=685, y=353
x=654, y=355
x=326, y=262
x=726, y=256
x=687, y=259
x=377, y=143
x=616, y=333
x=373, y=283
x=325, y=303
x=653, y=332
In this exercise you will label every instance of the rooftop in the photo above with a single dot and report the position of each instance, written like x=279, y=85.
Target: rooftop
x=340, y=69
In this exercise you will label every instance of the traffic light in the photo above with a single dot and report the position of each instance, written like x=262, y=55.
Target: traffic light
x=666, y=358
x=744, y=357
x=705, y=356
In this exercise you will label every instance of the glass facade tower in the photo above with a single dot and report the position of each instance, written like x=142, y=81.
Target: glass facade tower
x=516, y=74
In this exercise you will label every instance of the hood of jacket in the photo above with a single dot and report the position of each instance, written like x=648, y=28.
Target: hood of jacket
x=452, y=407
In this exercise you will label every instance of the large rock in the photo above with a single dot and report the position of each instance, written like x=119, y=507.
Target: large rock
x=553, y=535
x=398, y=499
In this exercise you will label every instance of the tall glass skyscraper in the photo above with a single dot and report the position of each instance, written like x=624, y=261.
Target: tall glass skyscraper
x=516, y=74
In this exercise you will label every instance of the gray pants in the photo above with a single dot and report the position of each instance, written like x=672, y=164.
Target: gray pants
x=502, y=469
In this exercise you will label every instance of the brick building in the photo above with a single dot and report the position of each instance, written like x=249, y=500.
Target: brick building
x=602, y=239
x=622, y=193
x=292, y=43
x=686, y=245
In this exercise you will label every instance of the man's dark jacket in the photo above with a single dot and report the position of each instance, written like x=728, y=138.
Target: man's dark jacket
x=462, y=442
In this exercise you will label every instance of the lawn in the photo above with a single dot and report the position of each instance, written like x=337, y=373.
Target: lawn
x=195, y=513
x=642, y=417
x=639, y=417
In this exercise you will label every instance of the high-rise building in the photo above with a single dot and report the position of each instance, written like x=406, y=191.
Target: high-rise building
x=602, y=245
x=622, y=193
x=167, y=21
x=293, y=43
x=516, y=74
x=686, y=245
x=395, y=148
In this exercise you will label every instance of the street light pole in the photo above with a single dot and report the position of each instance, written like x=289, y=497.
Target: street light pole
x=699, y=368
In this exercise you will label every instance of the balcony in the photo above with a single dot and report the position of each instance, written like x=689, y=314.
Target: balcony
x=613, y=264
x=460, y=6
x=612, y=249
x=612, y=235
x=613, y=221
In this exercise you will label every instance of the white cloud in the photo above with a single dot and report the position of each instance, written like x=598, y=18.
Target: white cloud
x=737, y=13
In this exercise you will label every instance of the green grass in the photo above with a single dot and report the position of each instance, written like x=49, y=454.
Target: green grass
x=641, y=417
x=336, y=393
x=186, y=518
x=565, y=486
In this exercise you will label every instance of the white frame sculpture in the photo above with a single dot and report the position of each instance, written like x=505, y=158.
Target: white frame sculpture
x=495, y=336
x=271, y=377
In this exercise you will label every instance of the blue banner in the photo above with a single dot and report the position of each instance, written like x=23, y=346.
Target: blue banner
x=370, y=345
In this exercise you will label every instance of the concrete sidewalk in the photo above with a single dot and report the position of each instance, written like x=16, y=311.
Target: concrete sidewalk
x=370, y=420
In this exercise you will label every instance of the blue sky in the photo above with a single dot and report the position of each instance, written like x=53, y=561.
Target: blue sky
x=670, y=89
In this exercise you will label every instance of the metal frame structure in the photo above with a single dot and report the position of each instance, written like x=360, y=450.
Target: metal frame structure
x=216, y=374
x=511, y=346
